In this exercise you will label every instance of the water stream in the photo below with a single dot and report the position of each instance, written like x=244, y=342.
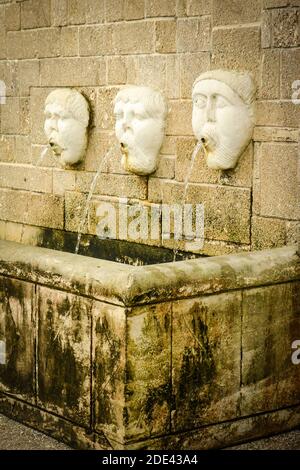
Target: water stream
x=42, y=156
x=186, y=183
x=87, y=204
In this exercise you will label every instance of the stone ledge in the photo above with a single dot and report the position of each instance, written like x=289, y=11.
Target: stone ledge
x=127, y=285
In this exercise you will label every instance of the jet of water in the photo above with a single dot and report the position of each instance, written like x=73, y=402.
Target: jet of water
x=42, y=156
x=186, y=183
x=87, y=204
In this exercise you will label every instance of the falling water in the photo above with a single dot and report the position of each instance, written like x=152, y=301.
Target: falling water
x=87, y=204
x=186, y=182
x=42, y=156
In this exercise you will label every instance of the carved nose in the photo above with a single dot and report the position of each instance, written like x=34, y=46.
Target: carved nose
x=210, y=110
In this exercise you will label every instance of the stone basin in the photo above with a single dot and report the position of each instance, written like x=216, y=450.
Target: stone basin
x=193, y=354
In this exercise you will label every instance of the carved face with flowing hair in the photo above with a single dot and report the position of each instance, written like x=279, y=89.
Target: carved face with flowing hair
x=140, y=114
x=223, y=115
x=67, y=118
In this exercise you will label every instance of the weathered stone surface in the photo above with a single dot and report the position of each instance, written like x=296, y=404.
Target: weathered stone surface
x=278, y=180
x=148, y=384
x=233, y=11
x=277, y=113
x=193, y=34
x=17, y=338
x=12, y=17
x=26, y=178
x=36, y=14
x=64, y=342
x=31, y=44
x=191, y=66
x=277, y=134
x=95, y=40
x=285, y=31
x=7, y=148
x=82, y=71
x=206, y=337
x=270, y=79
x=31, y=208
x=267, y=232
x=109, y=356
x=158, y=8
x=290, y=72
x=237, y=49
x=69, y=41
x=270, y=324
x=134, y=37
x=165, y=39
x=14, y=116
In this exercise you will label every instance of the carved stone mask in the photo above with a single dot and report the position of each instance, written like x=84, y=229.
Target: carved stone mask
x=67, y=118
x=140, y=121
x=223, y=115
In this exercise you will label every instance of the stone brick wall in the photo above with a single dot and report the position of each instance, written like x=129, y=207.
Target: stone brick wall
x=98, y=46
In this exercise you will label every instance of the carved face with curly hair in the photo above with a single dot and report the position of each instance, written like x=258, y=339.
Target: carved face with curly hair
x=67, y=118
x=140, y=114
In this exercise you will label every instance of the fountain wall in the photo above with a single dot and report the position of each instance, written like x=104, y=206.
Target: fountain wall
x=97, y=48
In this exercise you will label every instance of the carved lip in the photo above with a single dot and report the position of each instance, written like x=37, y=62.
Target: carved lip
x=57, y=149
x=208, y=141
x=124, y=148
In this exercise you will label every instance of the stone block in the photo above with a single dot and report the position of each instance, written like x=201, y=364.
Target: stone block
x=95, y=11
x=114, y=10
x=59, y=12
x=23, y=149
x=8, y=72
x=237, y=49
x=172, y=90
x=39, y=209
x=229, y=12
x=82, y=71
x=35, y=14
x=12, y=17
x=193, y=34
x=292, y=232
x=191, y=66
x=116, y=70
x=76, y=11
x=14, y=116
x=131, y=186
x=277, y=134
x=179, y=120
x=290, y=72
x=159, y=8
x=266, y=29
x=134, y=9
x=25, y=178
x=151, y=71
x=64, y=344
x=270, y=77
x=148, y=385
x=199, y=7
x=267, y=233
x=165, y=39
x=166, y=167
x=7, y=148
x=270, y=324
x=36, y=108
x=134, y=37
x=17, y=336
x=28, y=75
x=206, y=338
x=63, y=180
x=285, y=31
x=277, y=113
x=105, y=103
x=31, y=44
x=109, y=352
x=69, y=40
x=95, y=40
x=278, y=180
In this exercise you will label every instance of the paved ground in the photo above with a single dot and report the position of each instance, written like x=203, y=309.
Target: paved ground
x=16, y=436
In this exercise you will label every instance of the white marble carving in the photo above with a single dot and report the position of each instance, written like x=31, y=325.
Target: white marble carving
x=66, y=121
x=223, y=115
x=140, y=122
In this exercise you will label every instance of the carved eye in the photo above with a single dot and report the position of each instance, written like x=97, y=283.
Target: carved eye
x=200, y=101
x=139, y=116
x=221, y=102
x=119, y=115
